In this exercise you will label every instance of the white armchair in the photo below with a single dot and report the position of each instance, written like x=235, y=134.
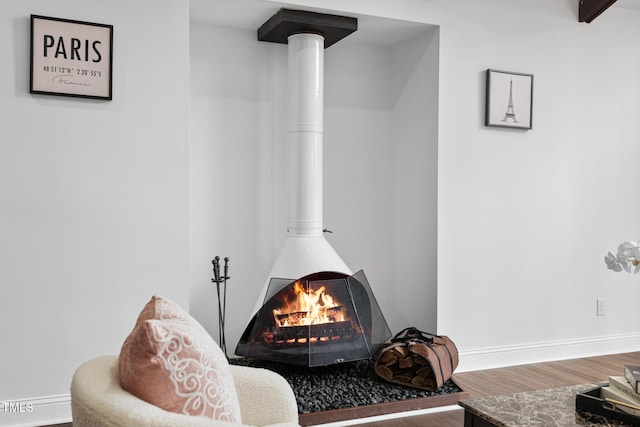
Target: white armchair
x=97, y=400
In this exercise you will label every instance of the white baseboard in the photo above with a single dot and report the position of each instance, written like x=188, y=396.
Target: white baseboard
x=36, y=411
x=393, y=416
x=497, y=357
x=45, y=410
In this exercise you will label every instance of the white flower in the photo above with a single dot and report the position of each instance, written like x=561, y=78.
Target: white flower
x=612, y=262
x=627, y=258
x=626, y=250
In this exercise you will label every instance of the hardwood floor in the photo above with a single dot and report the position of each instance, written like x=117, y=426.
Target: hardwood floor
x=515, y=379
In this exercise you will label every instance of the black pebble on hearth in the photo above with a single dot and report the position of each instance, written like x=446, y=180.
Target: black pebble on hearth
x=344, y=385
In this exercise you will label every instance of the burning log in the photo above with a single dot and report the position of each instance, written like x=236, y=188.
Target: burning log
x=302, y=317
x=320, y=333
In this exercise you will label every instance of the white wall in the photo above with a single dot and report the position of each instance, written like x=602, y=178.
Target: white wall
x=238, y=168
x=93, y=198
x=526, y=217
x=414, y=150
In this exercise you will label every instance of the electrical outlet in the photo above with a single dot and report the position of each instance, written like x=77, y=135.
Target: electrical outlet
x=600, y=307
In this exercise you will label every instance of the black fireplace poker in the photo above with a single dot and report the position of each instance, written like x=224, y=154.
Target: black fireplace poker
x=221, y=290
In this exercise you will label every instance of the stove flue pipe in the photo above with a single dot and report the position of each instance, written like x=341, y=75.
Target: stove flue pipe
x=305, y=250
x=305, y=127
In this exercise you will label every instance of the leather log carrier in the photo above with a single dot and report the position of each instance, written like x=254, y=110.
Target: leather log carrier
x=417, y=359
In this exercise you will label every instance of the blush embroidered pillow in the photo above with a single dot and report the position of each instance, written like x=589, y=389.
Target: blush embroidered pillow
x=170, y=361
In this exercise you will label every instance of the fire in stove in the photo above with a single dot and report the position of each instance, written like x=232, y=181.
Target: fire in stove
x=317, y=320
x=309, y=307
x=311, y=316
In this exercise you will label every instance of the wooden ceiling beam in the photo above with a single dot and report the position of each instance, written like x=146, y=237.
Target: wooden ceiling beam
x=589, y=10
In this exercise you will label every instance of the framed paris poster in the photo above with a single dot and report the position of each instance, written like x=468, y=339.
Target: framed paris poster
x=509, y=100
x=71, y=58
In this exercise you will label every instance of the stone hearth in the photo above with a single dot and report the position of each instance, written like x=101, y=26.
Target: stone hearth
x=352, y=390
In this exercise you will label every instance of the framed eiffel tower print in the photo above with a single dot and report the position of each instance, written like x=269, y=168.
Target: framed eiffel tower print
x=509, y=100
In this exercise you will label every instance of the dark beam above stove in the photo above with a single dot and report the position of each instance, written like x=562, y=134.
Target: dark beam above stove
x=590, y=9
x=287, y=22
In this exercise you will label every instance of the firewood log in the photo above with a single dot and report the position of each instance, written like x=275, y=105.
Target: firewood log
x=388, y=358
x=420, y=360
x=401, y=352
x=403, y=378
x=384, y=372
x=424, y=372
x=418, y=381
x=406, y=363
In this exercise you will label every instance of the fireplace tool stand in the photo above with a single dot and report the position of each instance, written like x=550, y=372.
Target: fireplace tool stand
x=221, y=290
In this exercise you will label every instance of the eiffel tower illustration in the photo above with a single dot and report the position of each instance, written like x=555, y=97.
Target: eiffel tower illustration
x=510, y=114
